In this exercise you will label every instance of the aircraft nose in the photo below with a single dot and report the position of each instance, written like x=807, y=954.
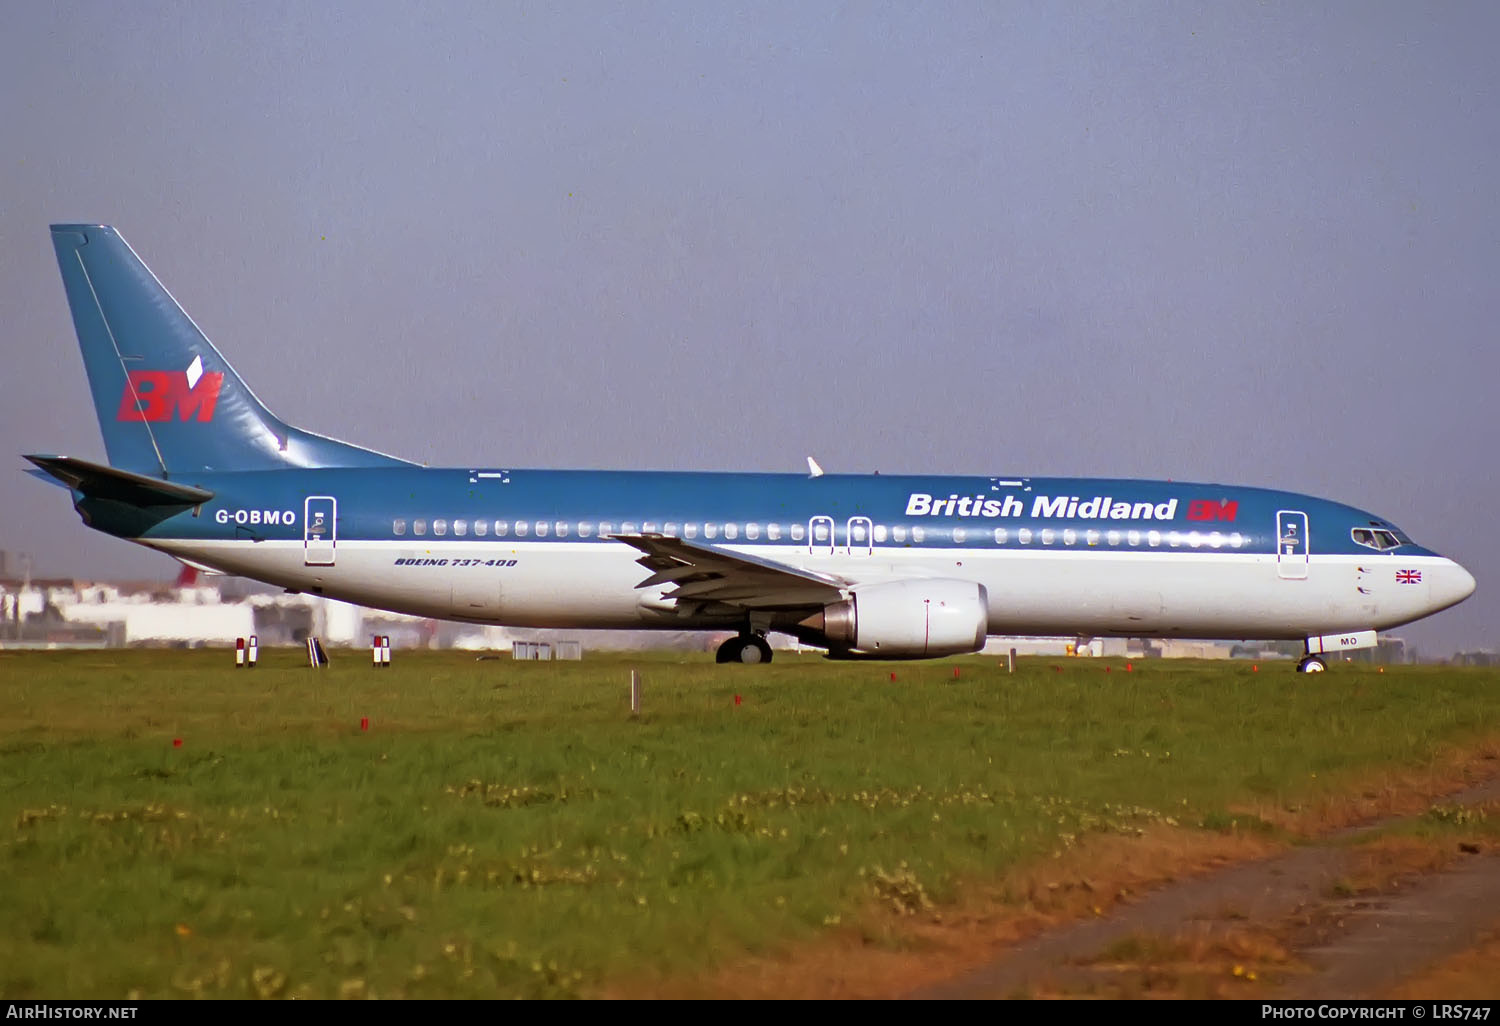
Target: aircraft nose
x=1451, y=585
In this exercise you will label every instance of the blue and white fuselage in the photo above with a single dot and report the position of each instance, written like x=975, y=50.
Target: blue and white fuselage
x=886, y=566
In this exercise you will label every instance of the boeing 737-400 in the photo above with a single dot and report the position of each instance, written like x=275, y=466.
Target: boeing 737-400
x=878, y=566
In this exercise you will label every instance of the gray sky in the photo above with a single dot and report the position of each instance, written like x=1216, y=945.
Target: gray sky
x=1242, y=242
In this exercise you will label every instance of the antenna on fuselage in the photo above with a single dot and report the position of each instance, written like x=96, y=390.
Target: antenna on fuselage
x=813, y=470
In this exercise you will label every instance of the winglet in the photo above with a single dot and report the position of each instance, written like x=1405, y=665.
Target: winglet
x=813, y=470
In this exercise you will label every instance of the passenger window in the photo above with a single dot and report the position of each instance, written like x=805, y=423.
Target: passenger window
x=798, y=532
x=541, y=528
x=773, y=532
x=501, y=528
x=606, y=529
x=1133, y=537
x=710, y=530
x=1113, y=538
x=752, y=531
x=419, y=527
x=481, y=528
x=1174, y=539
x=1194, y=539
x=1069, y=536
x=1024, y=536
x=918, y=535
x=731, y=531
x=585, y=529
x=649, y=527
x=820, y=533
x=440, y=527
x=690, y=530
x=627, y=528
x=880, y=532
x=1048, y=535
x=671, y=530
x=1001, y=536
x=460, y=528
x=960, y=535
x=1215, y=539
x=398, y=526
x=898, y=533
x=1236, y=540
x=560, y=529
x=1153, y=538
x=520, y=528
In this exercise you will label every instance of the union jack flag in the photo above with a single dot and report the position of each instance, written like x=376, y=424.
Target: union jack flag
x=1408, y=577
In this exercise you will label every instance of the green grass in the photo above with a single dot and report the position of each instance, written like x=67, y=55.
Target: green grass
x=509, y=829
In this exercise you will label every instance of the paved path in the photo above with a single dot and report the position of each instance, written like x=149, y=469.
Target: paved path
x=1378, y=940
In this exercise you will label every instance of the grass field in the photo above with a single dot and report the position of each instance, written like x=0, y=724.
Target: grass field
x=508, y=829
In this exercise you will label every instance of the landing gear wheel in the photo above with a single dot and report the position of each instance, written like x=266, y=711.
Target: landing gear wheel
x=750, y=650
x=1311, y=664
x=760, y=647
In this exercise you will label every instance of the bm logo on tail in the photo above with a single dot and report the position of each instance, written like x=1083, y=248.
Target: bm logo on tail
x=156, y=395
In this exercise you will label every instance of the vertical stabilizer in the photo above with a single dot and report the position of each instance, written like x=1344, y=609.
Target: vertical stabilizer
x=167, y=402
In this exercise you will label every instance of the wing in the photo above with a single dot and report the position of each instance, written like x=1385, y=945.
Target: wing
x=701, y=574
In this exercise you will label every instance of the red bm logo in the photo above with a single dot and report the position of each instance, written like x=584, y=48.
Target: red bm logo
x=1213, y=509
x=156, y=395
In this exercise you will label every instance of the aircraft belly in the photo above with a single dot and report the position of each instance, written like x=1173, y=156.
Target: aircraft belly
x=274, y=562
x=1173, y=594
x=547, y=586
x=573, y=586
x=583, y=585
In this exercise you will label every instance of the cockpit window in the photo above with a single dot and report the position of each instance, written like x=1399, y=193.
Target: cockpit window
x=1375, y=538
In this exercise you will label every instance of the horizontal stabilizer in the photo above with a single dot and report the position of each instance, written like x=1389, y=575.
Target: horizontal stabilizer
x=100, y=482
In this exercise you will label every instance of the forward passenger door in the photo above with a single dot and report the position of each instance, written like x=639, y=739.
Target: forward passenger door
x=1291, y=545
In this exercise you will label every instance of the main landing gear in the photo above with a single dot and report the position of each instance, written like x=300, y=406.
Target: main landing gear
x=1311, y=664
x=746, y=648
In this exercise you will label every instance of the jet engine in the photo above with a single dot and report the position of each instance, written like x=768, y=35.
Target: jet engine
x=906, y=619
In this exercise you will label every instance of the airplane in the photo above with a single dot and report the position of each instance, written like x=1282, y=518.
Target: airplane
x=863, y=566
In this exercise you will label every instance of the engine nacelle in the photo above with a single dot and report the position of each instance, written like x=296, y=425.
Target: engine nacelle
x=908, y=619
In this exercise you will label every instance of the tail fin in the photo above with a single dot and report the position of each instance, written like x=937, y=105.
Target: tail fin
x=167, y=402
